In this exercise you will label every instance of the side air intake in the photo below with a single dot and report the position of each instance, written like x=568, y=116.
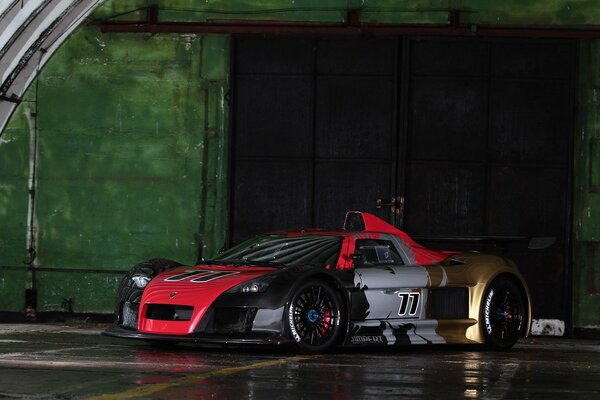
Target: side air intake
x=448, y=303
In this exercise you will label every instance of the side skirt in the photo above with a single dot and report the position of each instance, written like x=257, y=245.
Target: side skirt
x=402, y=332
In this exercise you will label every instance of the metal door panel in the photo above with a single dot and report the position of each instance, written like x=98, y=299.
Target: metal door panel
x=445, y=199
x=501, y=176
x=354, y=118
x=274, y=56
x=525, y=200
x=314, y=131
x=348, y=185
x=270, y=195
x=448, y=118
x=529, y=122
x=270, y=122
x=481, y=147
x=448, y=57
x=348, y=56
x=538, y=59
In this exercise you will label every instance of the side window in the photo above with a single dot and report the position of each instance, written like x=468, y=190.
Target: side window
x=376, y=253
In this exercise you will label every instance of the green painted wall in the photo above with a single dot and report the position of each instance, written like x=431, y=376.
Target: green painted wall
x=133, y=143
x=586, y=249
x=131, y=156
x=485, y=12
x=14, y=174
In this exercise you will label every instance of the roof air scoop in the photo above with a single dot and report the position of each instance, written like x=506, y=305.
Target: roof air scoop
x=354, y=221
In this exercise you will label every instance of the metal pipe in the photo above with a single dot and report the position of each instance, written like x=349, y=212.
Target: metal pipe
x=377, y=30
x=353, y=27
x=31, y=285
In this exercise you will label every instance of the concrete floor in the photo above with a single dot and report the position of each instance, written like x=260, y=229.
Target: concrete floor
x=57, y=362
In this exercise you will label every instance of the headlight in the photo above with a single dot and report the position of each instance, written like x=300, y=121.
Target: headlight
x=255, y=287
x=251, y=287
x=140, y=281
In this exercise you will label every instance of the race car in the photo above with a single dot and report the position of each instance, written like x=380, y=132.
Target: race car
x=368, y=284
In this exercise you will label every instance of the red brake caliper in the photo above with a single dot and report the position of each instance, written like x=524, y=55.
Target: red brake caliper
x=326, y=322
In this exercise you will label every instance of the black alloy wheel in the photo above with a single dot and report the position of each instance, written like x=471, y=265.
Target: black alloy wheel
x=502, y=314
x=314, y=317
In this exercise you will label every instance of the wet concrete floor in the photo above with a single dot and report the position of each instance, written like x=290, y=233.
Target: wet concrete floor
x=56, y=362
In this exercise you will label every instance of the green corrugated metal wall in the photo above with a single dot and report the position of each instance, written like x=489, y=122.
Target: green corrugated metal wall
x=133, y=144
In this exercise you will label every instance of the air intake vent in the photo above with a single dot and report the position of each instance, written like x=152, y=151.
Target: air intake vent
x=449, y=303
x=234, y=319
x=168, y=312
x=227, y=321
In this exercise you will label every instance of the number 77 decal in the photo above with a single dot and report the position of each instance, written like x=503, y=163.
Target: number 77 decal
x=409, y=303
x=200, y=276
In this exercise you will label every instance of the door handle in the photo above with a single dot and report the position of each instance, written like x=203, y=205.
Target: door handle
x=396, y=205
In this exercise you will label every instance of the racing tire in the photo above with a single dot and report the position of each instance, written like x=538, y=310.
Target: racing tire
x=502, y=314
x=314, y=317
x=130, y=294
x=155, y=266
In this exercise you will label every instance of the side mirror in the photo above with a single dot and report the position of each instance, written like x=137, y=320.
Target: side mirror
x=356, y=258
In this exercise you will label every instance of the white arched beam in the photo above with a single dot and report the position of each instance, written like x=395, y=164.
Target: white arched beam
x=30, y=32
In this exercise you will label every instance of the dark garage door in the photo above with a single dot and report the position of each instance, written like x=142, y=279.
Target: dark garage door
x=475, y=134
x=314, y=131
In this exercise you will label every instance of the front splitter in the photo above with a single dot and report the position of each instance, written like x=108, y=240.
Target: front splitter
x=116, y=331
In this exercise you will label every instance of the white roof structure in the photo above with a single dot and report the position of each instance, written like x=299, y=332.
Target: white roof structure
x=30, y=32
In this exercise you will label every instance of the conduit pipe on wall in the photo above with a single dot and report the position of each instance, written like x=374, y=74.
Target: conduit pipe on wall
x=31, y=285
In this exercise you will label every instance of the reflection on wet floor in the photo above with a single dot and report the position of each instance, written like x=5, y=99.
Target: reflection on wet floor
x=69, y=365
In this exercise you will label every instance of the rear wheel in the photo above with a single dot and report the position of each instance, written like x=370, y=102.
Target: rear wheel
x=314, y=317
x=502, y=314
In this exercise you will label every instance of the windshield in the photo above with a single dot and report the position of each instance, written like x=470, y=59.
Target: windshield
x=316, y=250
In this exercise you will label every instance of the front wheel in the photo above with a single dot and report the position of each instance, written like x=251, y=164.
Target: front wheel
x=502, y=314
x=314, y=317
